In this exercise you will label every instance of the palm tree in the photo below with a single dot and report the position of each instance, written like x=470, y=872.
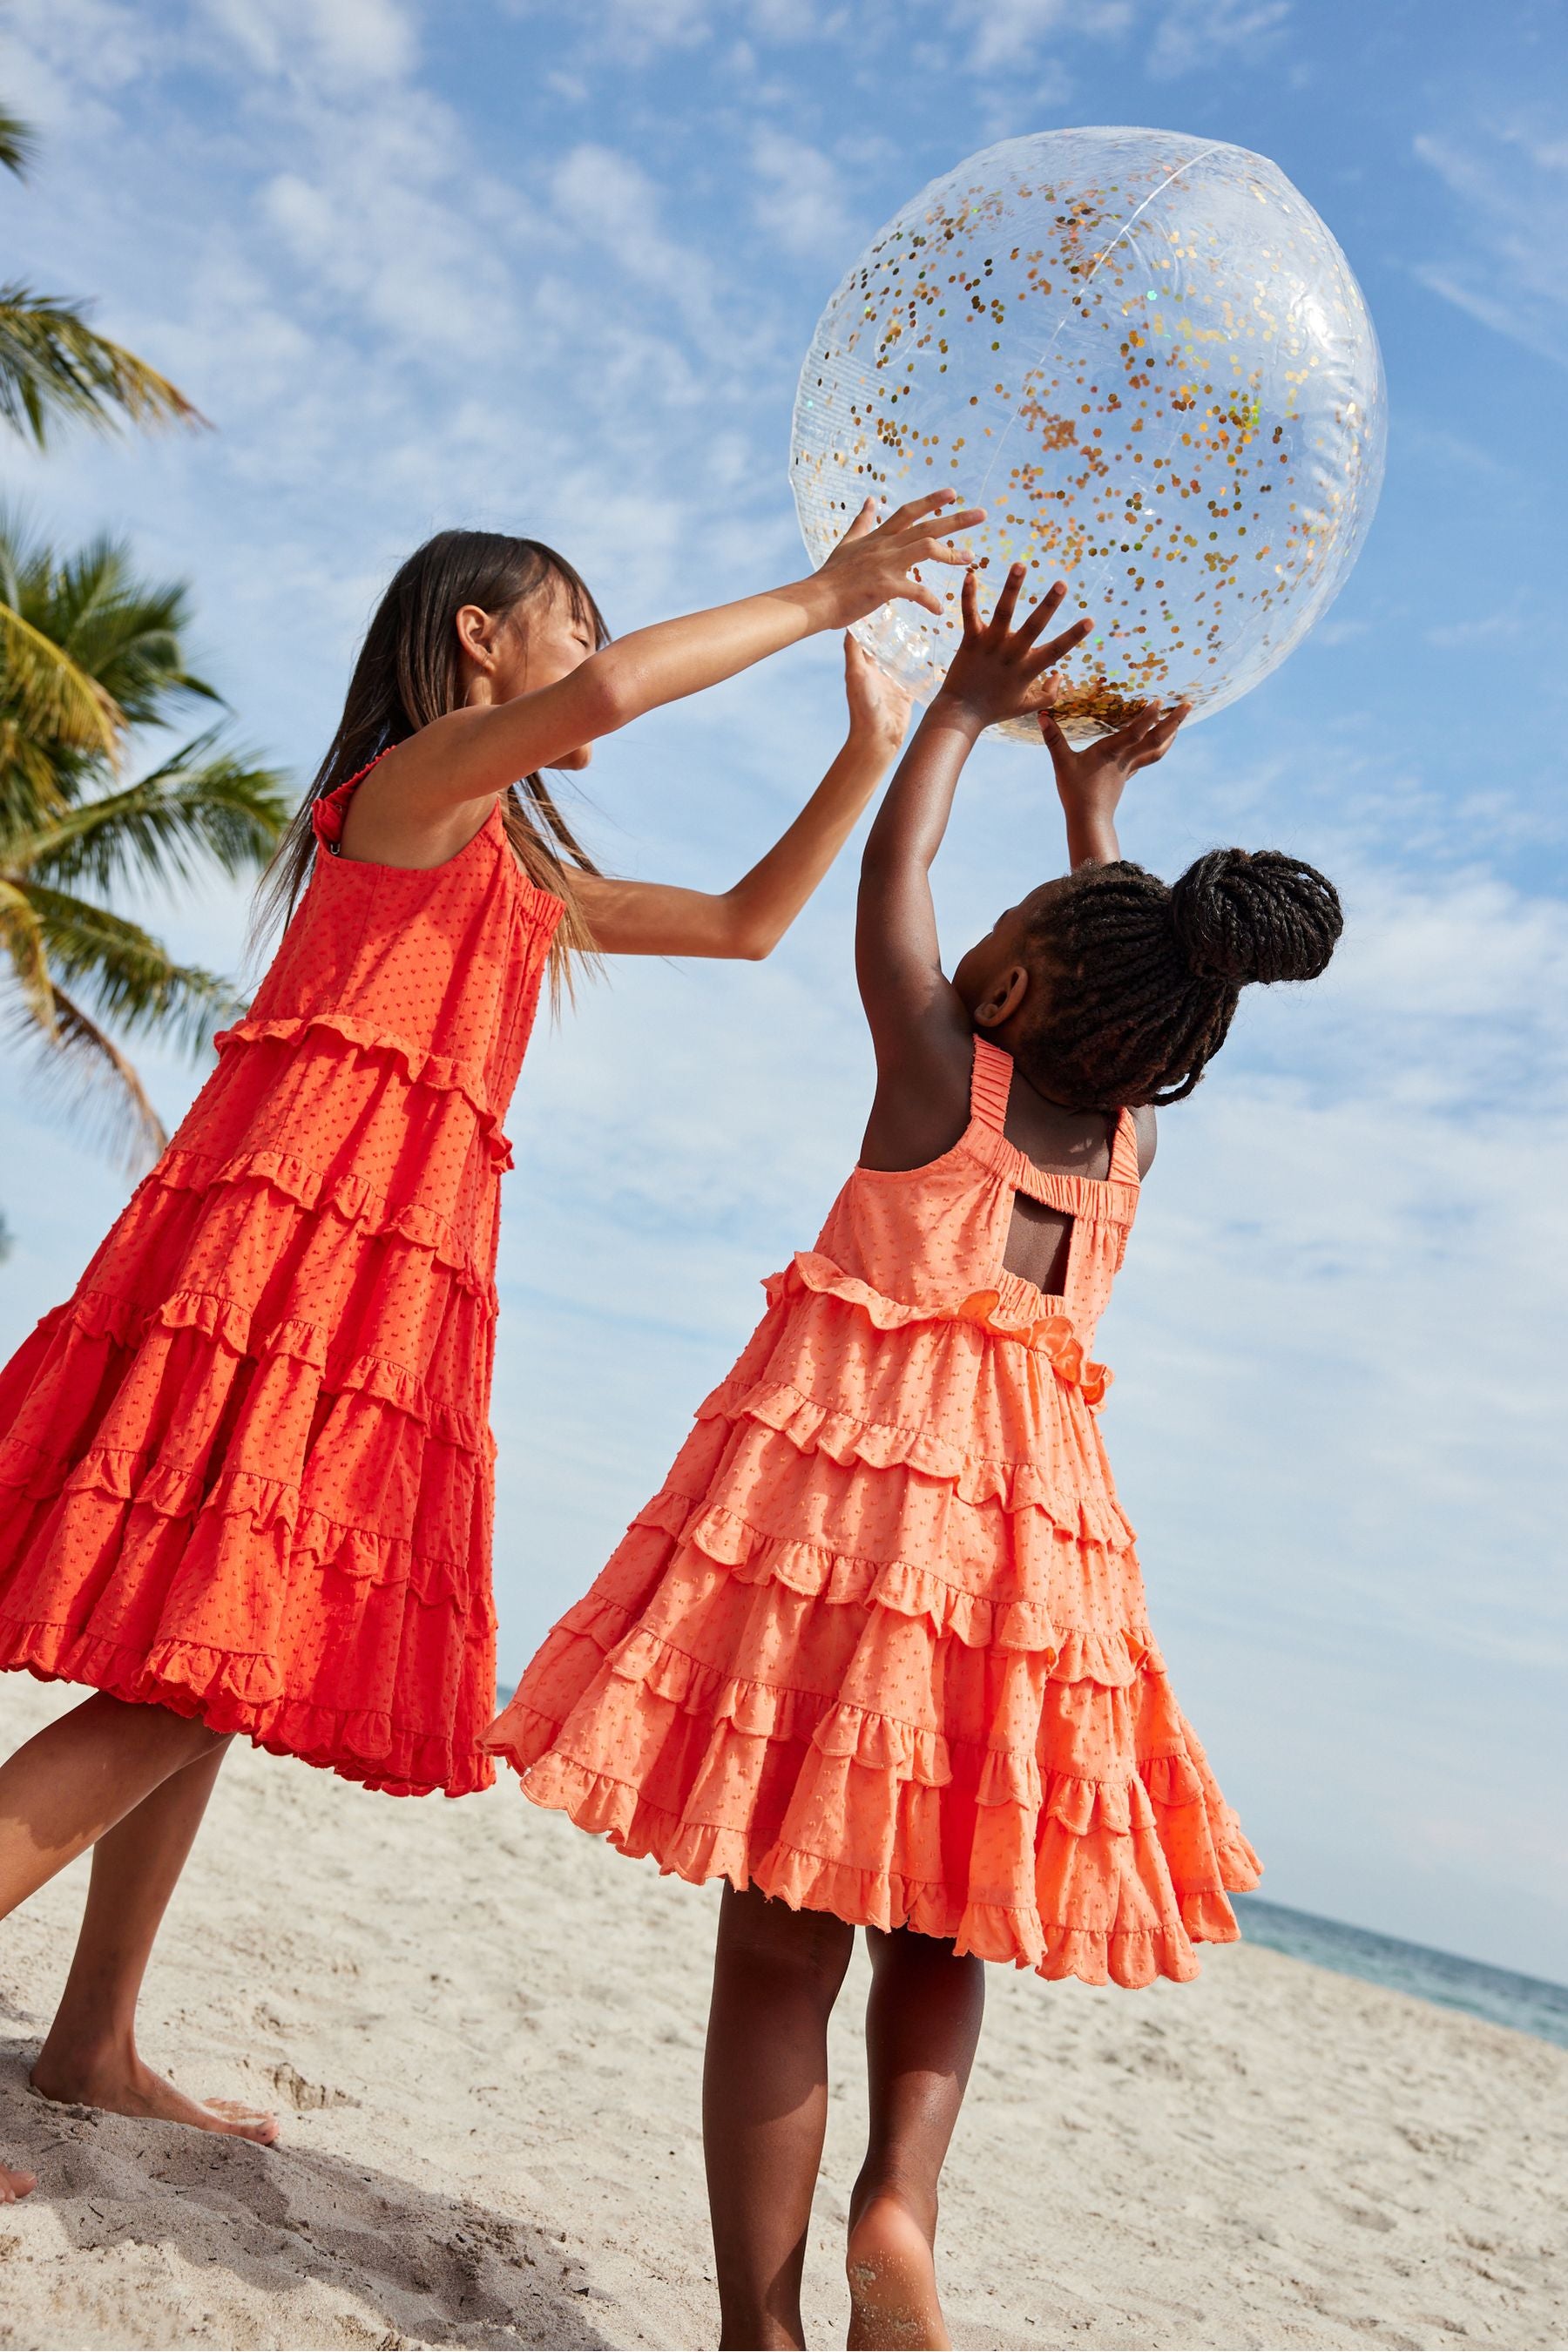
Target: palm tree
x=71, y=828
x=53, y=364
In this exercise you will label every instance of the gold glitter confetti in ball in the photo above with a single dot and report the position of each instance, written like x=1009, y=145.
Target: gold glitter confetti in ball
x=1146, y=357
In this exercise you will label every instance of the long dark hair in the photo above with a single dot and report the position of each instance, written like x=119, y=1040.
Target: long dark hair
x=1143, y=977
x=409, y=672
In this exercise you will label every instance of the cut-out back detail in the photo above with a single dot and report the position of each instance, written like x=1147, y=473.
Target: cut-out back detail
x=1039, y=1245
x=1040, y=1231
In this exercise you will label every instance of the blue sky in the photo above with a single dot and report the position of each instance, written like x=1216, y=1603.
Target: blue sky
x=556, y=269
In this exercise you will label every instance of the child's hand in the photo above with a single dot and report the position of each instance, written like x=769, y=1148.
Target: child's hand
x=879, y=705
x=874, y=562
x=1000, y=672
x=1091, y=781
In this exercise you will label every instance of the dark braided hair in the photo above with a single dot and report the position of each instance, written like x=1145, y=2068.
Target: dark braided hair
x=1141, y=979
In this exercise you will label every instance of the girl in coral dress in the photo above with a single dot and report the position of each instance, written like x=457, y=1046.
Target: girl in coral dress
x=877, y=1652
x=246, y=1469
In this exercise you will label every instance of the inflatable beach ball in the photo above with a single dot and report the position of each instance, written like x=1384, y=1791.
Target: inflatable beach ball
x=1146, y=357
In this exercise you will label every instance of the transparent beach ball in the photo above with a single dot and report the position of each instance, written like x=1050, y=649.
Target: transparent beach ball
x=1146, y=357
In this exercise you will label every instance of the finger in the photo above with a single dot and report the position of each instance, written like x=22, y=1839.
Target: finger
x=1048, y=655
x=904, y=516
x=1056, y=743
x=935, y=530
x=970, y=597
x=917, y=593
x=1006, y=604
x=864, y=522
x=1132, y=731
x=1159, y=739
x=1036, y=620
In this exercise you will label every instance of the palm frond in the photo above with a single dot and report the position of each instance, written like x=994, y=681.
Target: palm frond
x=48, y=694
x=129, y=977
x=53, y=364
x=23, y=938
x=202, y=805
x=18, y=142
x=82, y=1075
x=125, y=632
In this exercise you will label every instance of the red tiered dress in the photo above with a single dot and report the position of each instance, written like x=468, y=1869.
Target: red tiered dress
x=246, y=1469
x=879, y=1646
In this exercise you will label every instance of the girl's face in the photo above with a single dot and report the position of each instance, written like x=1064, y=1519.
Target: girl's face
x=536, y=642
x=997, y=974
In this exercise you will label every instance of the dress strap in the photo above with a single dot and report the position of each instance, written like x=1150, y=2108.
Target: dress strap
x=990, y=1083
x=328, y=813
x=1125, y=1148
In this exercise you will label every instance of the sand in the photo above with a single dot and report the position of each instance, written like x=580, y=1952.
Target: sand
x=484, y=2031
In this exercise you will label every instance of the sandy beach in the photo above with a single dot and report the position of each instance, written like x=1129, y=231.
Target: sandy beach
x=483, y=2031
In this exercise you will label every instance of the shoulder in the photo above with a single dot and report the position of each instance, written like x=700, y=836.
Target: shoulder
x=1146, y=1127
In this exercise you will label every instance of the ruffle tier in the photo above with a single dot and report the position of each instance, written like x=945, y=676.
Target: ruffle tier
x=246, y=1471
x=867, y=1663
x=1009, y=1311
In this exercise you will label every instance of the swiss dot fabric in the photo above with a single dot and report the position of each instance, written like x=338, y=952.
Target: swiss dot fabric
x=878, y=1644
x=246, y=1468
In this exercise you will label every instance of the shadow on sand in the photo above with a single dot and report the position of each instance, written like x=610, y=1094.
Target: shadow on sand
x=322, y=2249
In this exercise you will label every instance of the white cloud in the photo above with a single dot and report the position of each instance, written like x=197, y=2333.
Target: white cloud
x=1510, y=183
x=800, y=204
x=348, y=41
x=1009, y=33
x=1189, y=34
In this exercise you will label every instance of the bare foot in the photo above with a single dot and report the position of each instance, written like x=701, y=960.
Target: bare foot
x=892, y=2282
x=15, y=2184
x=124, y=2087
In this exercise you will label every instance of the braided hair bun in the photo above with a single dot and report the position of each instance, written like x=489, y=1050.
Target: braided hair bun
x=1140, y=982
x=1241, y=914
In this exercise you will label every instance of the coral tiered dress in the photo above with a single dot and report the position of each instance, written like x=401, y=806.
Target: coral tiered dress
x=246, y=1470
x=879, y=1646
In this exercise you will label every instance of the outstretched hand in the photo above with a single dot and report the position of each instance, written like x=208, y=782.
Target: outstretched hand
x=879, y=705
x=874, y=562
x=1091, y=781
x=1002, y=672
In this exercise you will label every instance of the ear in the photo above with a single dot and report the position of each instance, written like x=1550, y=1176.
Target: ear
x=1004, y=996
x=476, y=634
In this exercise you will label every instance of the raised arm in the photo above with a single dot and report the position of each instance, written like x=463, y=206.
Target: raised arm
x=749, y=919
x=919, y=1024
x=1091, y=783
x=428, y=797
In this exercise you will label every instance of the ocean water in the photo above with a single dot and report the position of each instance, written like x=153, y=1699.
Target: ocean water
x=1530, y=2004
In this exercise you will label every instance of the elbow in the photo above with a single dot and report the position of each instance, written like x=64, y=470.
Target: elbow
x=753, y=944
x=609, y=694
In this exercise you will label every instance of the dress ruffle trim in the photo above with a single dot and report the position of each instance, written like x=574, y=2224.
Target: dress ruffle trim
x=232, y=1693
x=816, y=1572
x=271, y=1506
x=888, y=1897
x=359, y=1205
x=1005, y=1312
x=100, y=1314
x=846, y=1438
x=446, y=1073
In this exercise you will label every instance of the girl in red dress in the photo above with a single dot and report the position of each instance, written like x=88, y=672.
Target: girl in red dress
x=245, y=1474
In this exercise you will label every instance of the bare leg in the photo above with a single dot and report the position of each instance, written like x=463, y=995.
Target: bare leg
x=87, y=1778
x=923, y=2023
x=79, y=1776
x=776, y=1975
x=91, y=2055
